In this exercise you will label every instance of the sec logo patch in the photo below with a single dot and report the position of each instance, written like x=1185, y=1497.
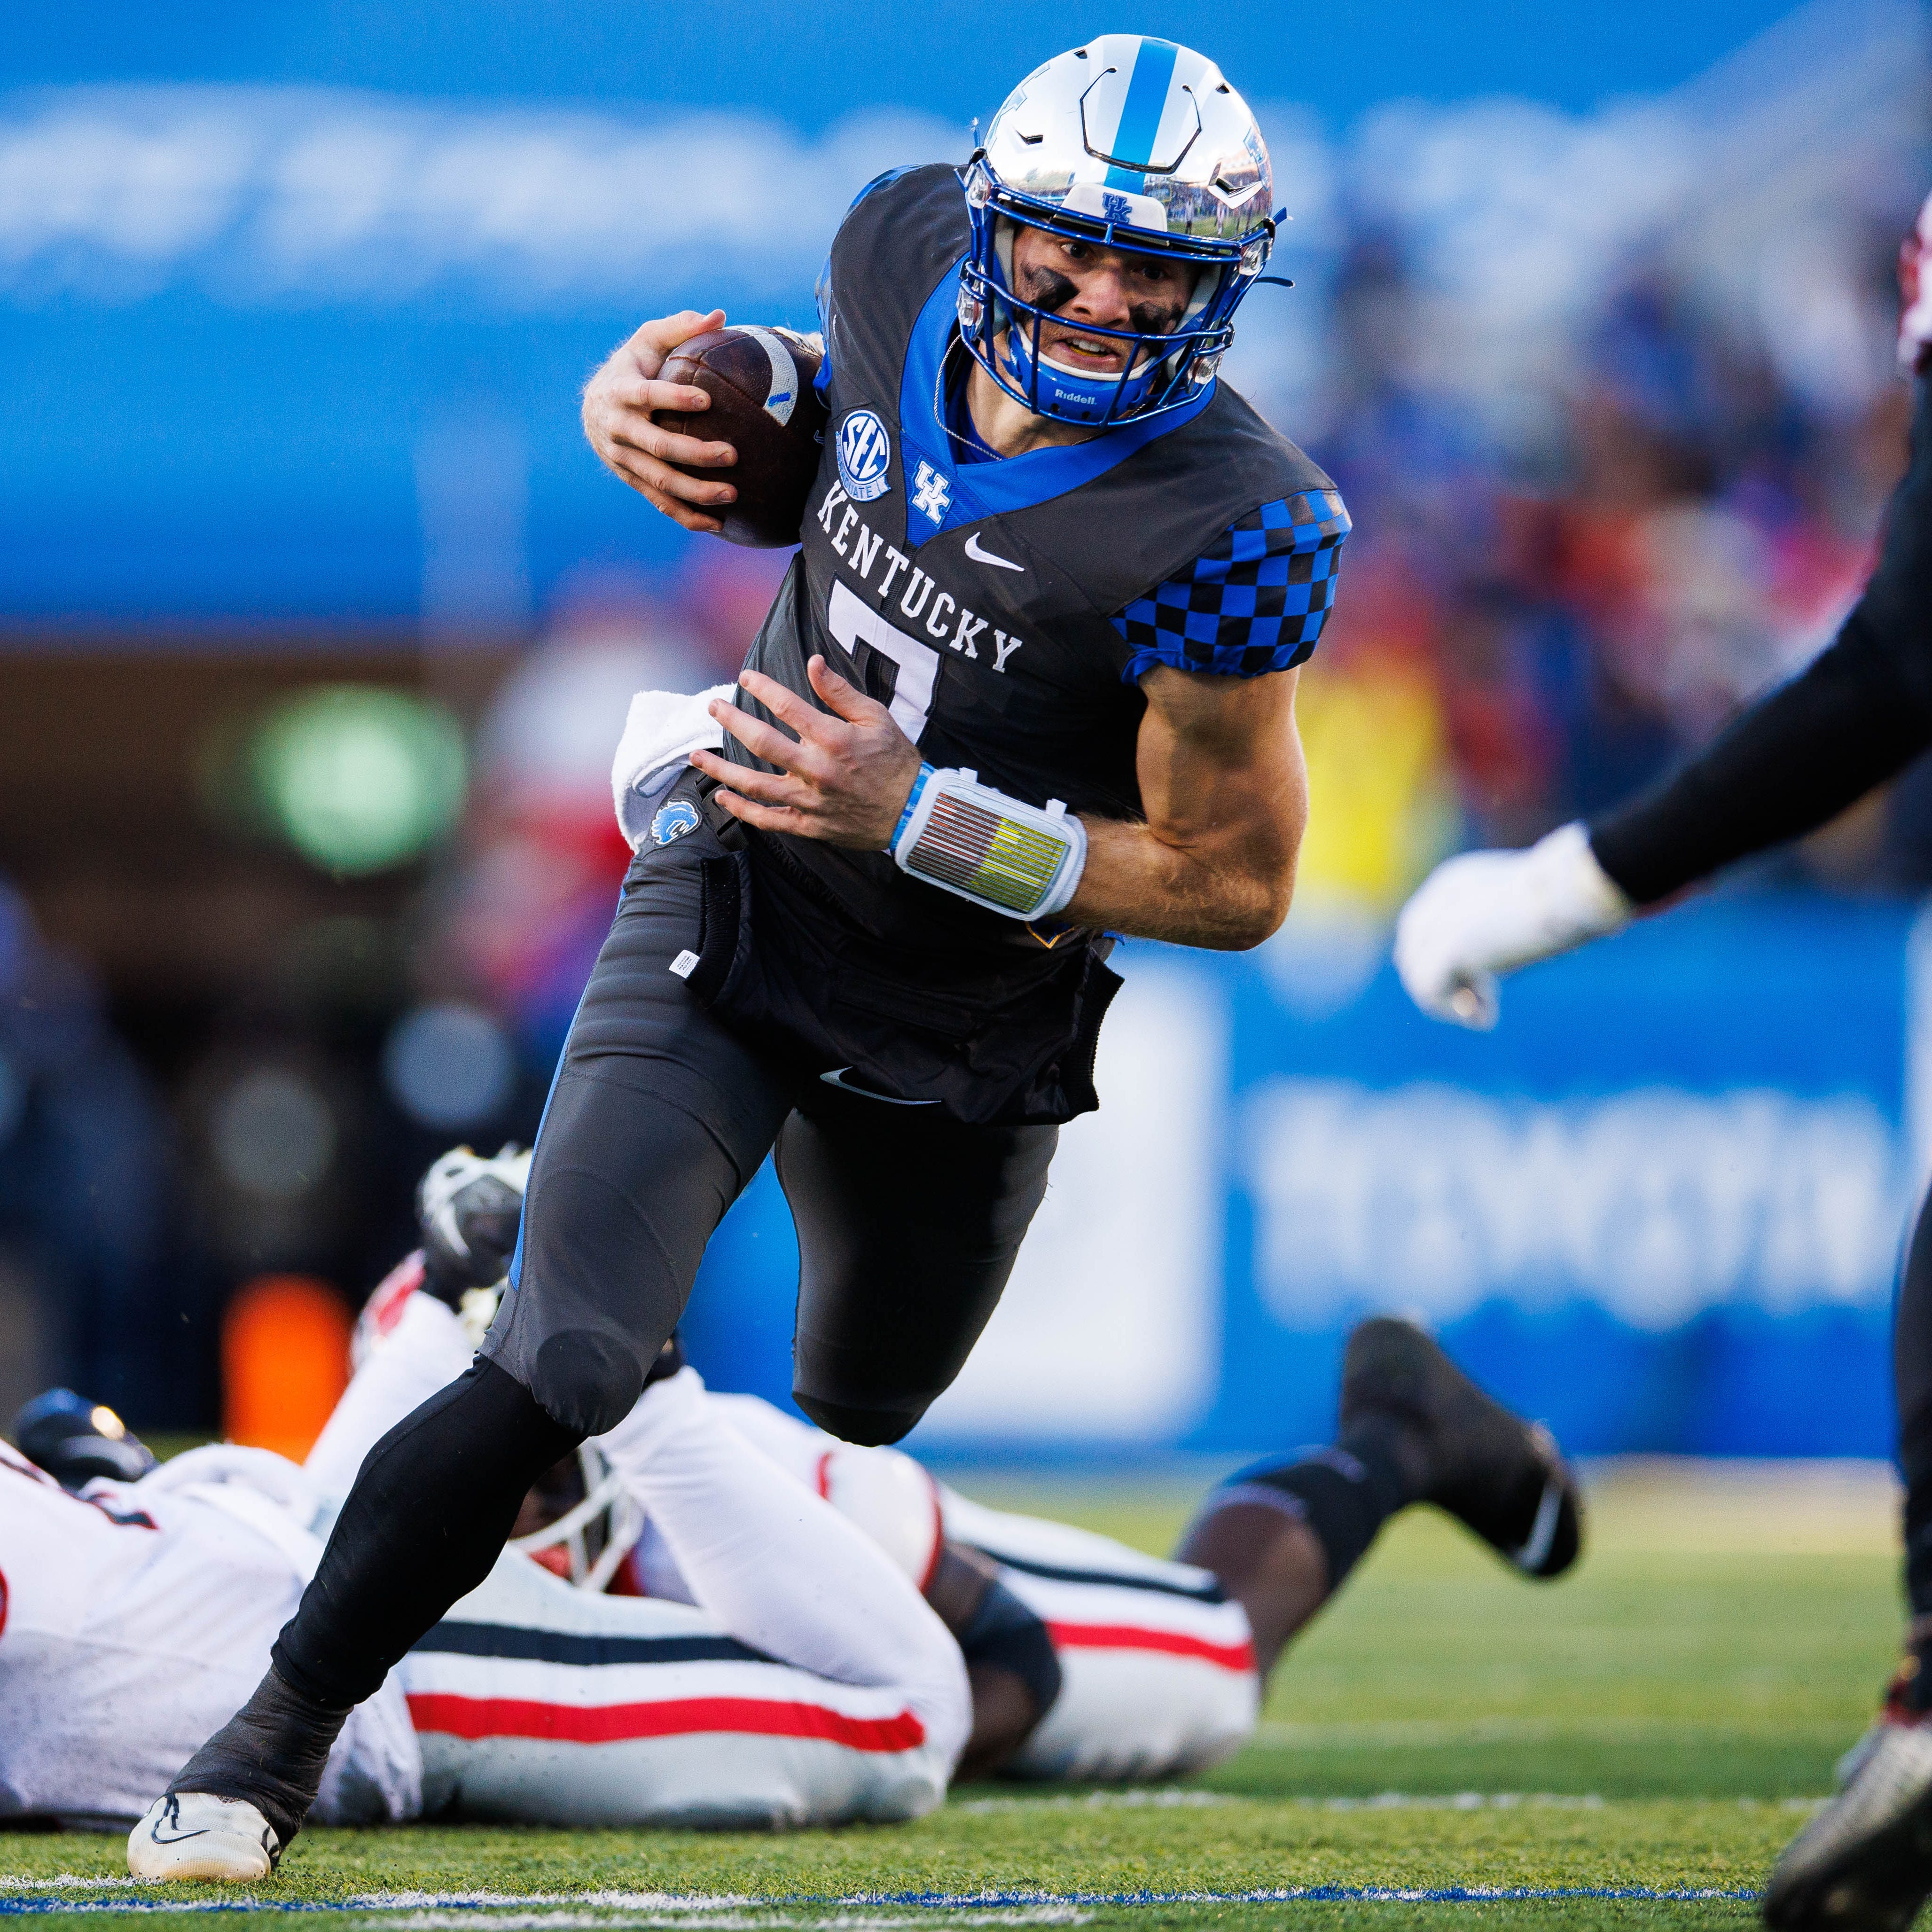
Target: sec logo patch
x=865, y=454
x=673, y=821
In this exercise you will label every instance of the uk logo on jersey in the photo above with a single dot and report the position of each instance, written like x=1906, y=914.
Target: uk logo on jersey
x=932, y=492
x=865, y=454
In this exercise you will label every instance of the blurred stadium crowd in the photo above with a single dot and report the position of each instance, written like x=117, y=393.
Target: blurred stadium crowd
x=1612, y=399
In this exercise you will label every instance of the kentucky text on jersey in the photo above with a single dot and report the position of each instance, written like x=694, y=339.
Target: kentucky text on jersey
x=946, y=614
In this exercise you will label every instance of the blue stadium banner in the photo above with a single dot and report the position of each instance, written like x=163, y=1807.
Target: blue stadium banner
x=1660, y=1207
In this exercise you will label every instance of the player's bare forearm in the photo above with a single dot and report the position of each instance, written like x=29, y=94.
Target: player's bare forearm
x=1225, y=791
x=1221, y=775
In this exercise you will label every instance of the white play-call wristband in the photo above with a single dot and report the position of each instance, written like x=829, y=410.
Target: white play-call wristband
x=968, y=838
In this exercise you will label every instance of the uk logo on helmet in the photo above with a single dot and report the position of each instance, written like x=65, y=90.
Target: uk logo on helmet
x=673, y=821
x=864, y=455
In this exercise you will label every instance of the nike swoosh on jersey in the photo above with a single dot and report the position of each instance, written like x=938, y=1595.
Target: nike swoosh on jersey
x=836, y=1078
x=980, y=556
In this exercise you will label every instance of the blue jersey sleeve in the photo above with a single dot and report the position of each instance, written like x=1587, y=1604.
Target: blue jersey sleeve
x=1254, y=601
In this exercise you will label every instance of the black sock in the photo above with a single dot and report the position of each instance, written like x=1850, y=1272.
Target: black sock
x=432, y=1507
x=1346, y=1493
x=272, y=1752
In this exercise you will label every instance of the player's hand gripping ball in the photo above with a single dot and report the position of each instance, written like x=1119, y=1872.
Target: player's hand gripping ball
x=763, y=403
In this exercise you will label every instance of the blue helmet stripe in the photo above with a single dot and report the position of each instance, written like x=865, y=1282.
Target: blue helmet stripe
x=1141, y=117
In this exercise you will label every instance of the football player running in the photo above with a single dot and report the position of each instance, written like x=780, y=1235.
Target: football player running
x=1029, y=684
x=1856, y=718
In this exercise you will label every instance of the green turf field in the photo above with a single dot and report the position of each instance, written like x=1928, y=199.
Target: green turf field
x=1655, y=1723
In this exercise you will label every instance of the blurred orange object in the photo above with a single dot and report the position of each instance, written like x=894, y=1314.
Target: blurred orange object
x=284, y=1362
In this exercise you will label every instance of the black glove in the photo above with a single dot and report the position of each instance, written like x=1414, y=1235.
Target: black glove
x=468, y=1208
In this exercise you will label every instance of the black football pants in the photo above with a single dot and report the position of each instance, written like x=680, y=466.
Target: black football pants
x=908, y=1223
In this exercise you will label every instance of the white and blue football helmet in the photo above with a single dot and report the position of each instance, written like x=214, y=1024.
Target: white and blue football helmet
x=1132, y=143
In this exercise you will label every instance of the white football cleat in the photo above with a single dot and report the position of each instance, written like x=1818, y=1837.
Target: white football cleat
x=193, y=1835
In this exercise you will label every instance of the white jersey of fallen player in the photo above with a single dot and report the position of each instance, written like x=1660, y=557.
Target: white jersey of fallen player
x=1157, y=1668
x=536, y=1702
x=133, y=1621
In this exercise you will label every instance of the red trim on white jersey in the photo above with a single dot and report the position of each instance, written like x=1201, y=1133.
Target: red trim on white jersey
x=476, y=1718
x=1238, y=1657
x=384, y=1308
x=11, y=1458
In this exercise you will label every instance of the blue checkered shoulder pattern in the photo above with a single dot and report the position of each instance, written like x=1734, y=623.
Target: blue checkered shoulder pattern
x=1254, y=601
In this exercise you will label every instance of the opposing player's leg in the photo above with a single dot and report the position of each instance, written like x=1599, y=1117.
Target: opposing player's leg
x=782, y=1568
x=1865, y=1861
x=657, y=1119
x=1412, y=1428
x=1162, y=1663
x=1155, y=1673
x=908, y=1226
x=421, y=1350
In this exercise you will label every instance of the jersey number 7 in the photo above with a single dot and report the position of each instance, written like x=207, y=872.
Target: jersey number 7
x=916, y=663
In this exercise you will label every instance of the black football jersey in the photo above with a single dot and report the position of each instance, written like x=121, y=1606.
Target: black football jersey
x=980, y=600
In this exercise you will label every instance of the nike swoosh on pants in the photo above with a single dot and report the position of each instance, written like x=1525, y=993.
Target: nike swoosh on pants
x=836, y=1078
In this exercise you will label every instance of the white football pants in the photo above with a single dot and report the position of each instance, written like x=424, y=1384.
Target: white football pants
x=1157, y=1673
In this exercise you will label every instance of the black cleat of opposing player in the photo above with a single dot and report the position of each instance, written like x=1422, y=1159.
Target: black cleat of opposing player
x=1504, y=1477
x=75, y=1441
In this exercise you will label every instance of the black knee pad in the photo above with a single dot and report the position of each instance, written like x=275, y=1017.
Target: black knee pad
x=1005, y=1633
x=586, y=1380
x=869, y=1428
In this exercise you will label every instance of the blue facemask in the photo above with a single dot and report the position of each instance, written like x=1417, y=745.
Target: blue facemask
x=1078, y=395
